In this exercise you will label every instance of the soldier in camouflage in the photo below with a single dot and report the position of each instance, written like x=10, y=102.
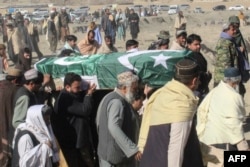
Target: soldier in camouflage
x=225, y=52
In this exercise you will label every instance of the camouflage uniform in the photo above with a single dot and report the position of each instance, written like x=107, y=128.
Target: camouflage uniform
x=225, y=57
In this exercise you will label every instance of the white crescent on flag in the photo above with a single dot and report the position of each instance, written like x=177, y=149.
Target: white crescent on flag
x=125, y=62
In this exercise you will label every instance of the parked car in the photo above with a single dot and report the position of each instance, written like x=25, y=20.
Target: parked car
x=80, y=12
x=184, y=6
x=41, y=12
x=236, y=7
x=137, y=7
x=77, y=18
x=22, y=11
x=198, y=10
x=84, y=7
x=173, y=9
x=162, y=8
x=219, y=7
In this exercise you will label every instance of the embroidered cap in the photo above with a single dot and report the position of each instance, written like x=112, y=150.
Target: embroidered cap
x=126, y=76
x=186, y=68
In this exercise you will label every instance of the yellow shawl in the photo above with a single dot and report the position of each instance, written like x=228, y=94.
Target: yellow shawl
x=87, y=48
x=174, y=102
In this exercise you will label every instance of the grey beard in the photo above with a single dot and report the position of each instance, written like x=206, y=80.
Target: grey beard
x=129, y=96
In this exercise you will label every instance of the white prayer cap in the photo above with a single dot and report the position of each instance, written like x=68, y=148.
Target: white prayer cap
x=31, y=74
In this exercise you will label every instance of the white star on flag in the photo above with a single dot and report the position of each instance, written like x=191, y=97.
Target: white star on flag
x=161, y=59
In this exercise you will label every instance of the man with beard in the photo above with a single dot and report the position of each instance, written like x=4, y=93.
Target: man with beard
x=70, y=120
x=133, y=21
x=107, y=46
x=220, y=120
x=116, y=124
x=180, y=42
x=70, y=44
x=88, y=45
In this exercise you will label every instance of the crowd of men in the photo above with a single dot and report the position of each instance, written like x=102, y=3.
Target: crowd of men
x=183, y=123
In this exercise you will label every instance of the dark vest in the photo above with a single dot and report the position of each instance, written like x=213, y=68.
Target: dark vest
x=16, y=157
x=24, y=91
x=108, y=149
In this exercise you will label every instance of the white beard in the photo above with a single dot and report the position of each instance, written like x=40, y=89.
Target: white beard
x=237, y=88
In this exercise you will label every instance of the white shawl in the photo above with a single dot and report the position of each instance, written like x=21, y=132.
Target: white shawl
x=39, y=155
x=220, y=116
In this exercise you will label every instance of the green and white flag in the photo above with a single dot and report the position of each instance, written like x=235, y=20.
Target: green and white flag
x=152, y=66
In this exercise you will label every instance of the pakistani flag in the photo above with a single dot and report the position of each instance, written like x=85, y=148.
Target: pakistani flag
x=152, y=66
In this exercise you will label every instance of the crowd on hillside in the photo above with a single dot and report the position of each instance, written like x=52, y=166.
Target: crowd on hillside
x=183, y=123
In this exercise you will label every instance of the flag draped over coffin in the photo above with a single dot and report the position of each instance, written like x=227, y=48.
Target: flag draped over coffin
x=154, y=67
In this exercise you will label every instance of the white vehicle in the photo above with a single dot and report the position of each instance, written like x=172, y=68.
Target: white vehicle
x=162, y=8
x=22, y=11
x=41, y=12
x=173, y=9
x=236, y=7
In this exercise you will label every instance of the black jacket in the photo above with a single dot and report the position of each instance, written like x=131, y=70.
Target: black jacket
x=70, y=119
